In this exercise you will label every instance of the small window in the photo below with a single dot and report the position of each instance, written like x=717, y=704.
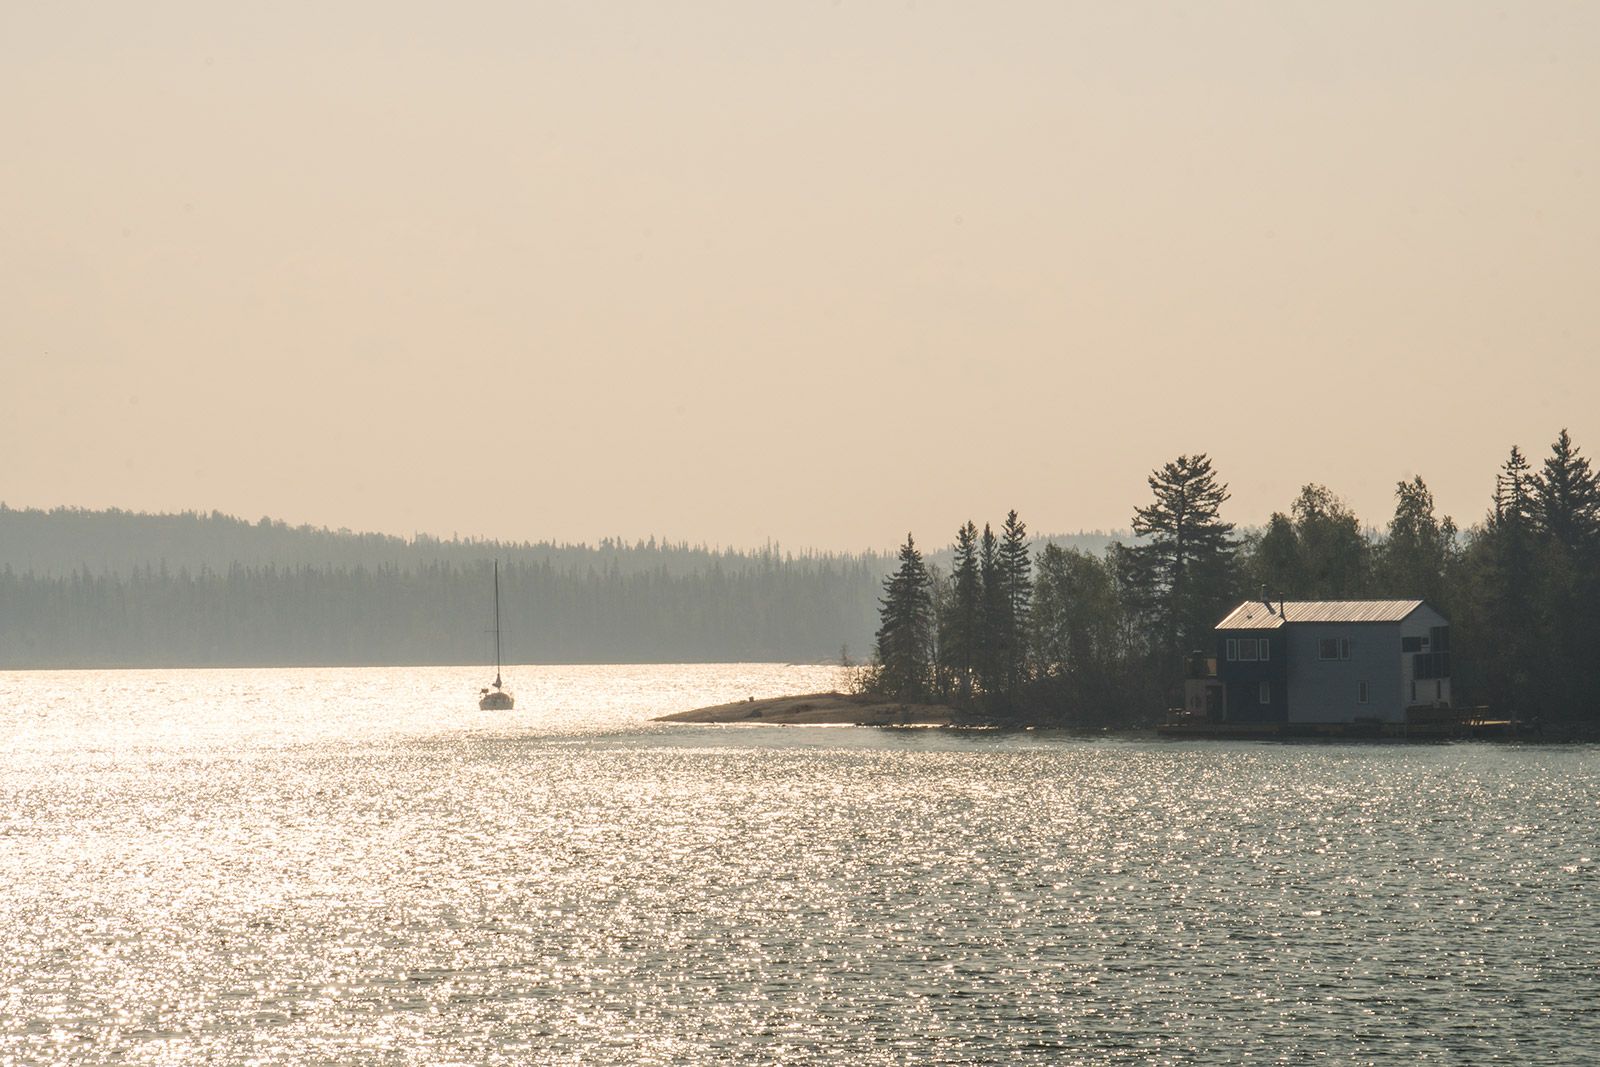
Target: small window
x=1362, y=694
x=1265, y=693
x=1247, y=649
x=1263, y=649
x=1328, y=648
x=1233, y=649
x=1344, y=648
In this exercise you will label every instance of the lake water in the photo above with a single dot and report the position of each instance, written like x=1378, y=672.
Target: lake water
x=291, y=866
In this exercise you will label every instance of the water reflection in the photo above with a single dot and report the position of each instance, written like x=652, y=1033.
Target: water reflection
x=283, y=866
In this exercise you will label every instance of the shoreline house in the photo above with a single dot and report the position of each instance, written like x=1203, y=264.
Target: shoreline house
x=1323, y=661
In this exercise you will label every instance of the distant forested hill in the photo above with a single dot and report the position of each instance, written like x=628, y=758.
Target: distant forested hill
x=117, y=588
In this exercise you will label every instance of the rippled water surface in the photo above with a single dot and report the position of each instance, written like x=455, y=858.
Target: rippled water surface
x=294, y=866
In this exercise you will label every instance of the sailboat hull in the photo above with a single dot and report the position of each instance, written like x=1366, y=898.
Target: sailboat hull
x=499, y=700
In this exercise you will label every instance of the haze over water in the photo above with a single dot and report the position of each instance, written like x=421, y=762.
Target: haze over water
x=283, y=866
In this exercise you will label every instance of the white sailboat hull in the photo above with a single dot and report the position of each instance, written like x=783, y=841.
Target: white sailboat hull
x=498, y=700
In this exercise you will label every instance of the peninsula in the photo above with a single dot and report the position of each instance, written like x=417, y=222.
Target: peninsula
x=821, y=709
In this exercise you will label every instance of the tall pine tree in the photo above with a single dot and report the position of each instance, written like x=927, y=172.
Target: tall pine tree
x=1016, y=574
x=1568, y=496
x=1183, y=567
x=993, y=616
x=905, y=633
x=962, y=616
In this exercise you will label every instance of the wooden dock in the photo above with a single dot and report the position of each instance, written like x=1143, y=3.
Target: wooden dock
x=1420, y=724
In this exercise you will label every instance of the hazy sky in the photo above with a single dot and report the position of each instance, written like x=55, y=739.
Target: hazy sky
x=816, y=272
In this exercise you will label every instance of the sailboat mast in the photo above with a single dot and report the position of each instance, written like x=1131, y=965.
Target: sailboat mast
x=497, y=624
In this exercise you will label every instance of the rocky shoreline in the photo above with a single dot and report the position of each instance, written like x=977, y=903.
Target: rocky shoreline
x=821, y=709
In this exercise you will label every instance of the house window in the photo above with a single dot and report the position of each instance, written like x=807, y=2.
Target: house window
x=1263, y=650
x=1411, y=644
x=1233, y=649
x=1429, y=665
x=1362, y=695
x=1344, y=648
x=1328, y=648
x=1247, y=649
x=1265, y=693
x=1413, y=692
x=1438, y=690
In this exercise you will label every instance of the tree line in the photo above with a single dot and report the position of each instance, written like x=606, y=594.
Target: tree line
x=96, y=588
x=760, y=609
x=1077, y=638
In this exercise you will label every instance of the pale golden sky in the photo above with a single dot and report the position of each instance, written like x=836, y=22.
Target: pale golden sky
x=817, y=272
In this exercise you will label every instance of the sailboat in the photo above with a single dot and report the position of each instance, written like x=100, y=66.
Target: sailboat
x=499, y=698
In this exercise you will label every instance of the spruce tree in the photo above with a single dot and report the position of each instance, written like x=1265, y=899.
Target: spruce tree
x=1568, y=497
x=1505, y=576
x=959, y=622
x=1567, y=505
x=993, y=612
x=1016, y=570
x=905, y=633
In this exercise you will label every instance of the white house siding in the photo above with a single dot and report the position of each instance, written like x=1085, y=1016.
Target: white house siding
x=1329, y=690
x=1417, y=624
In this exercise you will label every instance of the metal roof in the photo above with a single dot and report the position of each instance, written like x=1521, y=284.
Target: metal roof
x=1255, y=615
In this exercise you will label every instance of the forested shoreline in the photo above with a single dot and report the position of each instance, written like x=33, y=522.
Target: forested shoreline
x=112, y=588
x=1072, y=638
x=758, y=609
x=999, y=623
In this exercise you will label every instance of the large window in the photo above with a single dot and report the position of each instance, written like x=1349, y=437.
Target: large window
x=1333, y=648
x=1430, y=665
x=1247, y=649
x=1411, y=644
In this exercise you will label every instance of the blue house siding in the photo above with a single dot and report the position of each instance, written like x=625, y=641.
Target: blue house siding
x=1329, y=690
x=1241, y=678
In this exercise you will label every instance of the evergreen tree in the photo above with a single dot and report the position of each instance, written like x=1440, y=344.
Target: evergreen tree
x=1503, y=634
x=1514, y=489
x=1183, y=569
x=1567, y=505
x=1568, y=496
x=1016, y=574
x=905, y=633
x=959, y=638
x=941, y=679
x=993, y=616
